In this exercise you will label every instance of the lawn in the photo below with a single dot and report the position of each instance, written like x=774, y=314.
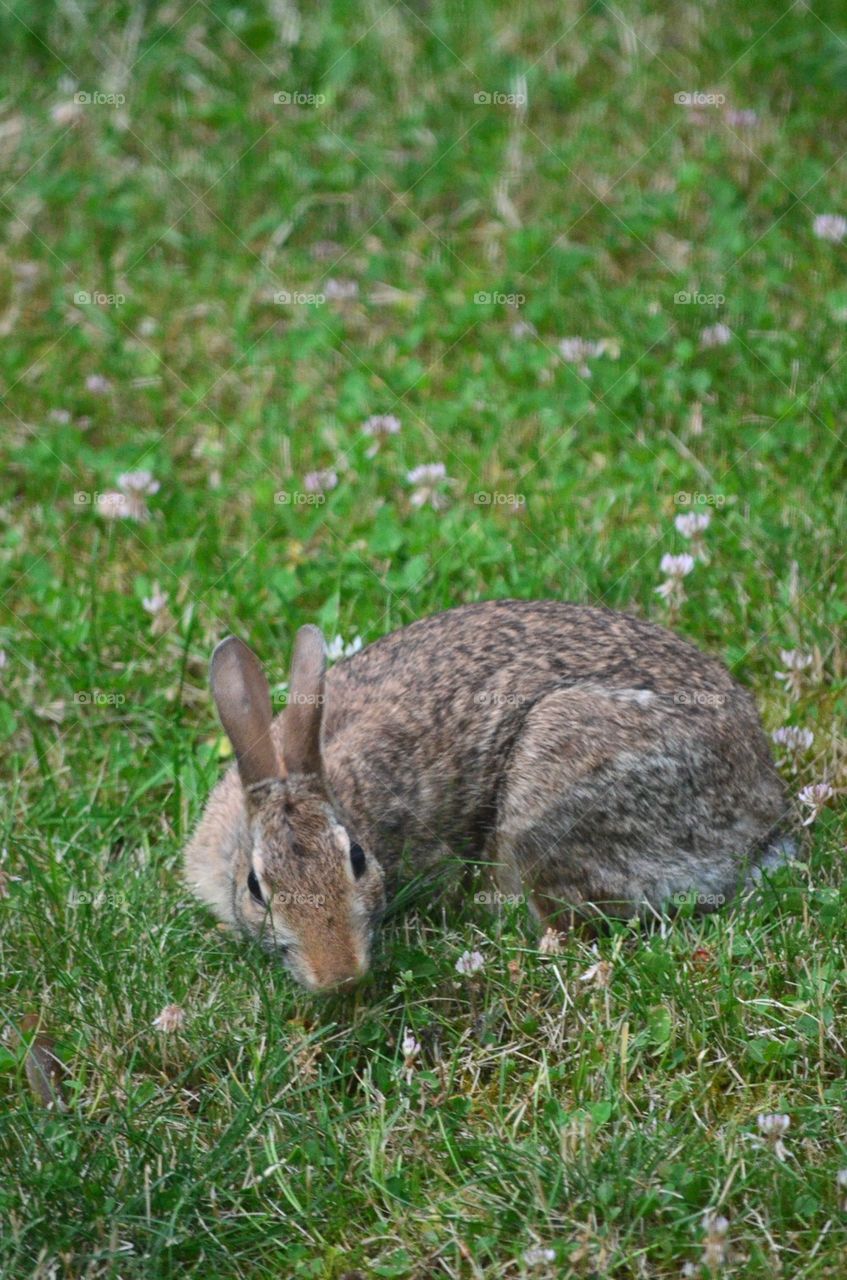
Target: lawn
x=345, y=314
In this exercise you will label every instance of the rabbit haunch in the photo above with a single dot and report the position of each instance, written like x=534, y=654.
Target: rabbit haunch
x=598, y=762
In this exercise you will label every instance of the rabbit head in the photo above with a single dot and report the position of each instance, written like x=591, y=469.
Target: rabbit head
x=305, y=888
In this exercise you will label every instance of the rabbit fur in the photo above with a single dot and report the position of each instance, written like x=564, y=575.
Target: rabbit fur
x=600, y=763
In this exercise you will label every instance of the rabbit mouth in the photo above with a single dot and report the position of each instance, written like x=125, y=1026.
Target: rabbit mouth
x=337, y=986
x=323, y=974
x=323, y=982
x=272, y=946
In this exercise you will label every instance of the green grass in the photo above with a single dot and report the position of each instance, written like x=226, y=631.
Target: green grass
x=276, y=1134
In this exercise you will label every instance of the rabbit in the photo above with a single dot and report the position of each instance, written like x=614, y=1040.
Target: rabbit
x=601, y=764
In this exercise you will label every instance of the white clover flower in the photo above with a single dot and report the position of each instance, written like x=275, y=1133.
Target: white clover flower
x=66, y=113
x=381, y=424
x=774, y=1128
x=537, y=1256
x=600, y=974
x=830, y=226
x=794, y=660
x=127, y=502
x=795, y=664
x=715, y=1224
x=156, y=602
x=97, y=384
x=715, y=1245
x=692, y=523
x=550, y=944
x=410, y=1048
x=716, y=335
x=336, y=648
x=677, y=566
x=574, y=350
x=796, y=742
x=741, y=118
x=121, y=506
x=427, y=473
x=814, y=797
x=578, y=350
x=170, y=1019
x=340, y=290
x=427, y=478
x=772, y=1125
x=140, y=482
x=793, y=738
x=320, y=481
x=469, y=963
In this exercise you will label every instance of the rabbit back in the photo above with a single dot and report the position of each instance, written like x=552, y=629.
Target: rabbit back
x=434, y=736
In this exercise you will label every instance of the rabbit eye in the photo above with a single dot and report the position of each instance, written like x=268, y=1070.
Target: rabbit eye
x=357, y=859
x=253, y=886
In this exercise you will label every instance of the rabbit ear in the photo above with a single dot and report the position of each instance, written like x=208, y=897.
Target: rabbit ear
x=243, y=698
x=301, y=726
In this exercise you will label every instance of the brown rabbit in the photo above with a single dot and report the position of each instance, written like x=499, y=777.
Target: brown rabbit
x=600, y=763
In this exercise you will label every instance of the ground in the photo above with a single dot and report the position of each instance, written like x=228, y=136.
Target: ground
x=588, y=258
